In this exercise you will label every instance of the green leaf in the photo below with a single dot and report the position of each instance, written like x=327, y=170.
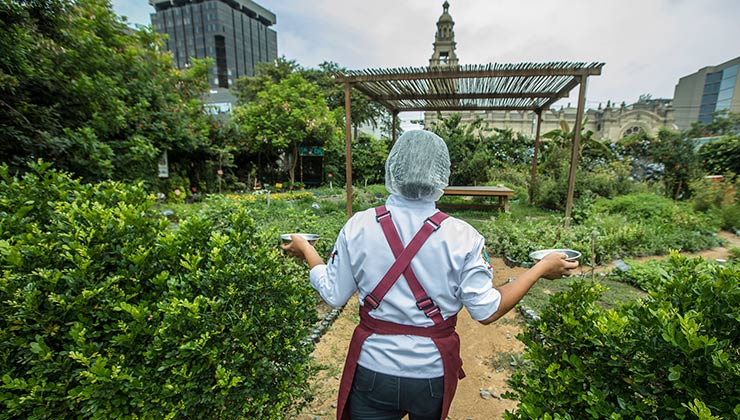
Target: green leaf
x=675, y=373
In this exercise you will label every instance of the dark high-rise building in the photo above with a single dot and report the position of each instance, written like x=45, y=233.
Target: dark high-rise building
x=236, y=34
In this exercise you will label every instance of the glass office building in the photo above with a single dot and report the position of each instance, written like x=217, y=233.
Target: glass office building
x=699, y=96
x=236, y=34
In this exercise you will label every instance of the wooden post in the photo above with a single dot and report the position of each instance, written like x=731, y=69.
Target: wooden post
x=348, y=146
x=534, y=158
x=393, y=127
x=575, y=149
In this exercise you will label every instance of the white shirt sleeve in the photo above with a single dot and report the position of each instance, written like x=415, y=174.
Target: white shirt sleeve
x=334, y=280
x=476, y=288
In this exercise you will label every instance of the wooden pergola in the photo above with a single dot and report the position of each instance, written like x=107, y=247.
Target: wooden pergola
x=494, y=87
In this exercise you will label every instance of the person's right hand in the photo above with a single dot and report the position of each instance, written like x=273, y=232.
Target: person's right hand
x=297, y=246
x=554, y=266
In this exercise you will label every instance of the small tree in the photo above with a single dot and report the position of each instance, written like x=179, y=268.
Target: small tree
x=246, y=88
x=368, y=158
x=80, y=88
x=469, y=149
x=676, y=154
x=284, y=116
x=593, y=153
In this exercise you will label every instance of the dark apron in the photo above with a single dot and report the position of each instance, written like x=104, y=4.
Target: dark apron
x=442, y=332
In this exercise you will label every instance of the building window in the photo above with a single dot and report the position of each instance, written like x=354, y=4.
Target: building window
x=727, y=88
x=223, y=73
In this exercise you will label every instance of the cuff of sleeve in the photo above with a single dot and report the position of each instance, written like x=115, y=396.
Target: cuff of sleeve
x=486, y=307
x=317, y=272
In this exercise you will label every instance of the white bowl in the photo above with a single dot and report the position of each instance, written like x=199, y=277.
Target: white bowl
x=571, y=254
x=310, y=237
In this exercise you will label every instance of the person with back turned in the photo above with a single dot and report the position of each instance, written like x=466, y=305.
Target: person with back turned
x=413, y=268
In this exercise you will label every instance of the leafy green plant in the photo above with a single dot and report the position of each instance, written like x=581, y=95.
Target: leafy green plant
x=681, y=165
x=723, y=154
x=669, y=355
x=730, y=217
x=631, y=225
x=108, y=312
x=285, y=115
x=642, y=275
x=708, y=194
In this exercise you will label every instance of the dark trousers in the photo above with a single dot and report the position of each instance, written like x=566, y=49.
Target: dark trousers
x=376, y=396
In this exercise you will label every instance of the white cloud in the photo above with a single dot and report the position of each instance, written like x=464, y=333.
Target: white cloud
x=646, y=45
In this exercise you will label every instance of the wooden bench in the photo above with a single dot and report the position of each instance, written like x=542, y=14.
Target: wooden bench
x=502, y=193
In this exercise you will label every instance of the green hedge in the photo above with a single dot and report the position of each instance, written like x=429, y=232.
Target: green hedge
x=673, y=355
x=631, y=225
x=641, y=274
x=108, y=311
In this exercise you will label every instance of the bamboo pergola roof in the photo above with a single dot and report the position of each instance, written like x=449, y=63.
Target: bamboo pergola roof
x=502, y=87
x=493, y=87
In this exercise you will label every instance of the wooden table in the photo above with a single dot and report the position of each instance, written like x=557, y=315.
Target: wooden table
x=502, y=193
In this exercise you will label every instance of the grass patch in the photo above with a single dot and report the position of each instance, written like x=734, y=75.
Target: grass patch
x=617, y=292
x=505, y=360
x=518, y=211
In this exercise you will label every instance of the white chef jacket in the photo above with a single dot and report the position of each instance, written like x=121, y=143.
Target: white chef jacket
x=451, y=266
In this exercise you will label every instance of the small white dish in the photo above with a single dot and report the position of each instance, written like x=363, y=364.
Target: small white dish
x=571, y=254
x=310, y=237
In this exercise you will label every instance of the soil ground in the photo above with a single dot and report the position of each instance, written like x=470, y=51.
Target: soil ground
x=487, y=353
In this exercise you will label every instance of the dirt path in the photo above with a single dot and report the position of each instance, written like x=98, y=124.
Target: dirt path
x=486, y=351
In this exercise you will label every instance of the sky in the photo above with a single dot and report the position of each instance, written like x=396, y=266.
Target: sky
x=646, y=45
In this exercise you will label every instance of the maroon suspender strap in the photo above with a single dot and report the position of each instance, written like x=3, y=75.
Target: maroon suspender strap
x=403, y=261
x=442, y=333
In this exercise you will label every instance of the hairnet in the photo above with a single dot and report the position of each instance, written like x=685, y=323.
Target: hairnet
x=418, y=166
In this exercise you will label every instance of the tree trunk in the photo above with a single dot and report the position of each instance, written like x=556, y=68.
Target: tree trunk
x=292, y=160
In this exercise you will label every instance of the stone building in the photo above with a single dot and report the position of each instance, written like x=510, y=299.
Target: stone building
x=444, y=41
x=609, y=122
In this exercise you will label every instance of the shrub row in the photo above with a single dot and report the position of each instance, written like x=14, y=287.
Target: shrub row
x=675, y=354
x=632, y=225
x=108, y=311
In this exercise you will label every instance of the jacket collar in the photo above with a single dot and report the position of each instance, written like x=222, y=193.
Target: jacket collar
x=400, y=201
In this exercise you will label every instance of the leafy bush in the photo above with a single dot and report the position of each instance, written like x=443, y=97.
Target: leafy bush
x=729, y=217
x=604, y=181
x=671, y=355
x=639, y=207
x=708, y=194
x=666, y=223
x=286, y=216
x=632, y=225
x=108, y=312
x=516, y=240
x=642, y=275
x=720, y=200
x=721, y=155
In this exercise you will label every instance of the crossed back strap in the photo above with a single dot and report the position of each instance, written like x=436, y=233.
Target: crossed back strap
x=403, y=261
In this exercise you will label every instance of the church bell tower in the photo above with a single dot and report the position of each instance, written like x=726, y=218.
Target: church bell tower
x=444, y=41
